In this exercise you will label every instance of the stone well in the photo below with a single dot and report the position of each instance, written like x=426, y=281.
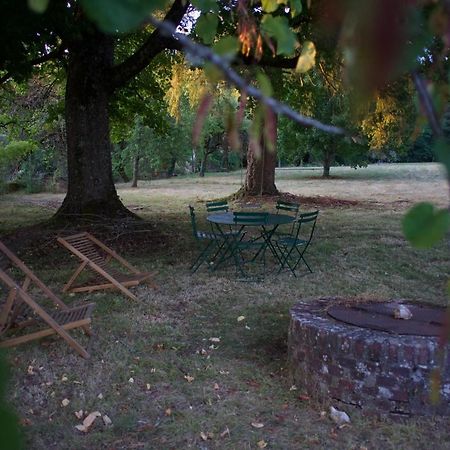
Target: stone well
x=379, y=372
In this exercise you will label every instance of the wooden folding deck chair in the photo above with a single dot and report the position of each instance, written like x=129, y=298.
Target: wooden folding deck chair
x=21, y=311
x=96, y=257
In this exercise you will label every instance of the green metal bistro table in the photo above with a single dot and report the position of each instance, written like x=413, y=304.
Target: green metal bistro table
x=266, y=222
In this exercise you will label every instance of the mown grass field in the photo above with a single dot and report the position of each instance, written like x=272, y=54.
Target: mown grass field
x=154, y=369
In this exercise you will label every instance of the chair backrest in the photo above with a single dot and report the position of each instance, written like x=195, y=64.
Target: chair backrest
x=284, y=206
x=217, y=206
x=250, y=217
x=193, y=221
x=306, y=220
x=86, y=247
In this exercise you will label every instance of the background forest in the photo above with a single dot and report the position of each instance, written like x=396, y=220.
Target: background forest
x=153, y=139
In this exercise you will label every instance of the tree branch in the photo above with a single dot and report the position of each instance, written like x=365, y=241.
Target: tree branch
x=156, y=43
x=427, y=104
x=55, y=54
x=429, y=111
x=205, y=54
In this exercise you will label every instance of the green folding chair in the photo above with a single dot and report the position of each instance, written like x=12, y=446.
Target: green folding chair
x=290, y=208
x=212, y=240
x=292, y=248
x=256, y=246
x=217, y=206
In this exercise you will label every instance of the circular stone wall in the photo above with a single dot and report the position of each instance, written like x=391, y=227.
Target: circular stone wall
x=378, y=372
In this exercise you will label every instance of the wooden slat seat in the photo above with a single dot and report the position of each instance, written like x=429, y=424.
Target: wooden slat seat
x=97, y=258
x=22, y=311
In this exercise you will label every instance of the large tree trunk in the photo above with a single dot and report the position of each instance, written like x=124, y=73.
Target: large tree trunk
x=261, y=164
x=91, y=188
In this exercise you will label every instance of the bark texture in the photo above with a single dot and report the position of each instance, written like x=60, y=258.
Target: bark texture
x=261, y=164
x=91, y=188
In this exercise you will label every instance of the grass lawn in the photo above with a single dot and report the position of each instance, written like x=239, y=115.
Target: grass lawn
x=155, y=370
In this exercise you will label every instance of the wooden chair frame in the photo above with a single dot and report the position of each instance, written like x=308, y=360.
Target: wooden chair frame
x=58, y=322
x=81, y=245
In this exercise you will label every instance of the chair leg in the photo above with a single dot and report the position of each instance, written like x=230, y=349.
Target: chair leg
x=201, y=257
x=302, y=258
x=285, y=260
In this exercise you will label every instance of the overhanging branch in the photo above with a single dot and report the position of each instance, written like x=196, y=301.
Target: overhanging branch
x=156, y=43
x=206, y=54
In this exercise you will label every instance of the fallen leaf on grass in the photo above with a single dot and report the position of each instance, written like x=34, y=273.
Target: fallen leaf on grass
x=25, y=422
x=262, y=444
x=189, y=379
x=148, y=386
x=339, y=417
x=225, y=432
x=88, y=421
x=304, y=397
x=240, y=318
x=100, y=396
x=206, y=436
x=65, y=402
x=106, y=420
x=253, y=383
x=214, y=339
x=79, y=414
x=131, y=380
x=64, y=378
x=216, y=386
x=30, y=370
x=257, y=424
x=168, y=412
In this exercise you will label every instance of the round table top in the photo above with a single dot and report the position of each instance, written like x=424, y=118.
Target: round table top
x=270, y=219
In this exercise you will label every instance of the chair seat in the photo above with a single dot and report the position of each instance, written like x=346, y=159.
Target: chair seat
x=289, y=241
x=24, y=310
x=99, y=259
x=206, y=235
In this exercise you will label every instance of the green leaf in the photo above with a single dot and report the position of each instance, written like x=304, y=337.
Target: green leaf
x=424, y=226
x=278, y=28
x=264, y=84
x=441, y=149
x=38, y=6
x=269, y=5
x=228, y=46
x=296, y=7
x=113, y=16
x=206, y=5
x=207, y=27
x=307, y=58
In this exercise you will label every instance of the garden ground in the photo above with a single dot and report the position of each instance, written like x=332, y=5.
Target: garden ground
x=201, y=363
